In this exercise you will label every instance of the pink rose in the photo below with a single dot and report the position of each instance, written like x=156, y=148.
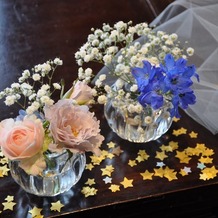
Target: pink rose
x=21, y=139
x=74, y=127
x=80, y=92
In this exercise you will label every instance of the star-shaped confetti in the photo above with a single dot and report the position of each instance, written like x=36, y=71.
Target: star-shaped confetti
x=111, y=144
x=89, y=191
x=4, y=160
x=132, y=163
x=175, y=119
x=107, y=170
x=160, y=164
x=208, y=152
x=9, y=198
x=179, y=131
x=8, y=205
x=201, y=166
x=96, y=160
x=107, y=180
x=140, y=159
x=201, y=147
x=208, y=173
x=183, y=157
x=127, y=182
x=143, y=154
x=114, y=188
x=185, y=171
x=90, y=182
x=206, y=160
x=35, y=211
x=56, y=206
x=110, y=156
x=174, y=145
x=147, y=175
x=89, y=166
x=159, y=172
x=160, y=155
x=117, y=151
x=170, y=174
x=166, y=148
x=193, y=134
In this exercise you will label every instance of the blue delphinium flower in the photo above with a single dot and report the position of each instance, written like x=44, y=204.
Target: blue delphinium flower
x=172, y=80
x=149, y=79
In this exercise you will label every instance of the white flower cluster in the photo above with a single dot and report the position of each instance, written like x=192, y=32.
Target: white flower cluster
x=121, y=47
x=31, y=92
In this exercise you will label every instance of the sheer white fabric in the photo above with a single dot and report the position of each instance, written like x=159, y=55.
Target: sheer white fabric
x=196, y=21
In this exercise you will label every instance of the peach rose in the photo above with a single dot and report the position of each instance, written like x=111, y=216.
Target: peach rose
x=80, y=92
x=21, y=139
x=74, y=127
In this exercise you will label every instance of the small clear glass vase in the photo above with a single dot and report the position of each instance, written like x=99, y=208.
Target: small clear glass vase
x=141, y=127
x=63, y=172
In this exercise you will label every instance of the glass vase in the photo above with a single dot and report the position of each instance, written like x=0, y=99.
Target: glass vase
x=63, y=172
x=145, y=126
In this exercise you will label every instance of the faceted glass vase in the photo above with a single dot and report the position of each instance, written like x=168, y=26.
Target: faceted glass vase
x=63, y=173
x=133, y=126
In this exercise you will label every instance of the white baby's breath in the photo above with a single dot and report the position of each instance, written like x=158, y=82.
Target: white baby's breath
x=30, y=90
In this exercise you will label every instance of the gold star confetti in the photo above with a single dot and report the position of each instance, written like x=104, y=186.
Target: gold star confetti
x=35, y=211
x=143, y=154
x=183, y=157
x=140, y=159
x=8, y=205
x=208, y=152
x=183, y=172
x=201, y=147
x=4, y=160
x=104, y=153
x=127, y=182
x=208, y=173
x=170, y=174
x=89, y=166
x=159, y=172
x=110, y=155
x=90, y=182
x=166, y=148
x=4, y=170
x=160, y=155
x=56, y=206
x=147, y=175
x=9, y=198
x=111, y=144
x=114, y=188
x=132, y=163
x=107, y=170
x=39, y=216
x=89, y=191
x=192, y=151
x=175, y=119
x=206, y=160
x=96, y=160
x=174, y=145
x=179, y=131
x=193, y=134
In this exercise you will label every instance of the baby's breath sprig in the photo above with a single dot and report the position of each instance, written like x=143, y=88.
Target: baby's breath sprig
x=34, y=88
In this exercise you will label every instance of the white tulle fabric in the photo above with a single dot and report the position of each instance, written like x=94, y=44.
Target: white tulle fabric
x=196, y=21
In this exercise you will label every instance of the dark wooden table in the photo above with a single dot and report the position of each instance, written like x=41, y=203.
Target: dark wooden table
x=32, y=32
